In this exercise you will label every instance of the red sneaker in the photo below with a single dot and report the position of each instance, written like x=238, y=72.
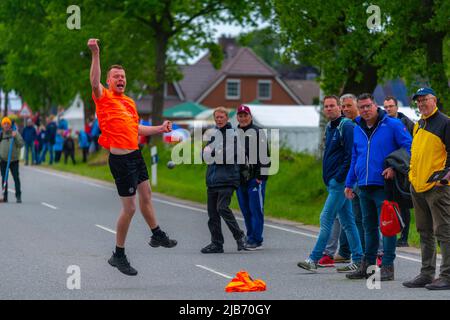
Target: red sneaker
x=379, y=260
x=326, y=262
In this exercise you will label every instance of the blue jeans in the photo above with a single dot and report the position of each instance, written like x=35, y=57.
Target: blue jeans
x=33, y=153
x=371, y=202
x=337, y=205
x=251, y=201
x=47, y=147
x=336, y=234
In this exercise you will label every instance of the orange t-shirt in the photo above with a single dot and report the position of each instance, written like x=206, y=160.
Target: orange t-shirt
x=118, y=120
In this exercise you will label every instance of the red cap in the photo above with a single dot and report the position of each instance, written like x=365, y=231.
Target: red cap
x=244, y=109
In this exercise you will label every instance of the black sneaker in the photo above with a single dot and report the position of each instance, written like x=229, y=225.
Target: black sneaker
x=212, y=248
x=19, y=200
x=360, y=273
x=242, y=244
x=122, y=264
x=162, y=240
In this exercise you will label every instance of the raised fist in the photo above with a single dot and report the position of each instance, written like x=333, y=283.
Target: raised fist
x=166, y=126
x=93, y=45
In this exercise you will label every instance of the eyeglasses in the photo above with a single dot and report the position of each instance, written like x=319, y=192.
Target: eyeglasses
x=422, y=100
x=367, y=106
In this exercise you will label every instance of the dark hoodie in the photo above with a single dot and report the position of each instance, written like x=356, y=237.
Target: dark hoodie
x=223, y=175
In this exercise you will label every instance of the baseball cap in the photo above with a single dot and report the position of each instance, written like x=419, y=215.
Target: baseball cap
x=423, y=92
x=6, y=120
x=243, y=108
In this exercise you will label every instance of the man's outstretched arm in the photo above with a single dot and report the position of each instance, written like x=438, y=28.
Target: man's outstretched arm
x=152, y=130
x=97, y=87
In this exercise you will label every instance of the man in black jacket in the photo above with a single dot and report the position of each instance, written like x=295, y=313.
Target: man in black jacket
x=251, y=192
x=391, y=107
x=222, y=178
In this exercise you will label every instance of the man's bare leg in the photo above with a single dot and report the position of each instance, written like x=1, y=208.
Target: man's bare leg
x=123, y=223
x=159, y=238
x=146, y=205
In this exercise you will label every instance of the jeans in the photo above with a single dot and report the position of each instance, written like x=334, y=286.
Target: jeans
x=219, y=206
x=47, y=147
x=251, y=201
x=371, y=201
x=29, y=146
x=337, y=205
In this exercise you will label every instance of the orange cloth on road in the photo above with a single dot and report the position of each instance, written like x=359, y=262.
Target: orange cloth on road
x=244, y=283
x=118, y=120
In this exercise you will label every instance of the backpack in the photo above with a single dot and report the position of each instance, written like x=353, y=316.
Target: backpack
x=340, y=128
x=391, y=222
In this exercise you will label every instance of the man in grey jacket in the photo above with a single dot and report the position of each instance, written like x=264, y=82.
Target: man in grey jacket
x=222, y=179
x=5, y=137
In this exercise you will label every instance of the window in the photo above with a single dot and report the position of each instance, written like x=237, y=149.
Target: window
x=264, y=90
x=233, y=89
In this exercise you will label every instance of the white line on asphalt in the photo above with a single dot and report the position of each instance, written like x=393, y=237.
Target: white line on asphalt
x=190, y=208
x=49, y=205
x=105, y=228
x=289, y=230
x=214, y=271
x=241, y=219
x=179, y=205
x=408, y=258
x=73, y=179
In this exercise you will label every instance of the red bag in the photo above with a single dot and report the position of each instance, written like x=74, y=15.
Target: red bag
x=391, y=222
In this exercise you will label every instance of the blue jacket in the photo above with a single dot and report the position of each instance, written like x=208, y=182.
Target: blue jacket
x=368, y=154
x=59, y=142
x=29, y=134
x=338, y=150
x=83, y=141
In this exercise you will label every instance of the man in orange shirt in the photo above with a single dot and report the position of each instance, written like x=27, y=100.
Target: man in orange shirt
x=119, y=124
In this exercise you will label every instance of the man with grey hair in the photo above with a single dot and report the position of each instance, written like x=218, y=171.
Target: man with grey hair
x=350, y=111
x=430, y=153
x=222, y=179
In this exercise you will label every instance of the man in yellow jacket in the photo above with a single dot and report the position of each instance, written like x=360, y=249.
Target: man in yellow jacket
x=430, y=152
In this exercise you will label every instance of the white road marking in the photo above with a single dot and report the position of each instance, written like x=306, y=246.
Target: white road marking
x=191, y=208
x=214, y=271
x=49, y=205
x=74, y=179
x=408, y=258
x=179, y=205
x=105, y=228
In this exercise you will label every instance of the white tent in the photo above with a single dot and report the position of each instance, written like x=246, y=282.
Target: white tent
x=75, y=114
x=298, y=125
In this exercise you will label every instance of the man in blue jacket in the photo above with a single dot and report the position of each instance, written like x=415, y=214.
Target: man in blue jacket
x=336, y=163
x=29, y=135
x=375, y=137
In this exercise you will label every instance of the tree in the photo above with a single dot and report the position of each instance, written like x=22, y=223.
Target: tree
x=182, y=27
x=410, y=42
x=265, y=43
x=146, y=36
x=332, y=35
x=418, y=42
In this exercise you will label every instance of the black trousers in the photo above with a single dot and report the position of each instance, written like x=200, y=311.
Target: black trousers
x=14, y=168
x=70, y=154
x=219, y=206
x=85, y=153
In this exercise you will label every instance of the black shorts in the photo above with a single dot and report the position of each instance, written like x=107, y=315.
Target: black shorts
x=129, y=171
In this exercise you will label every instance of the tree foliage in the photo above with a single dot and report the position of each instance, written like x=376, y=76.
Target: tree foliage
x=410, y=42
